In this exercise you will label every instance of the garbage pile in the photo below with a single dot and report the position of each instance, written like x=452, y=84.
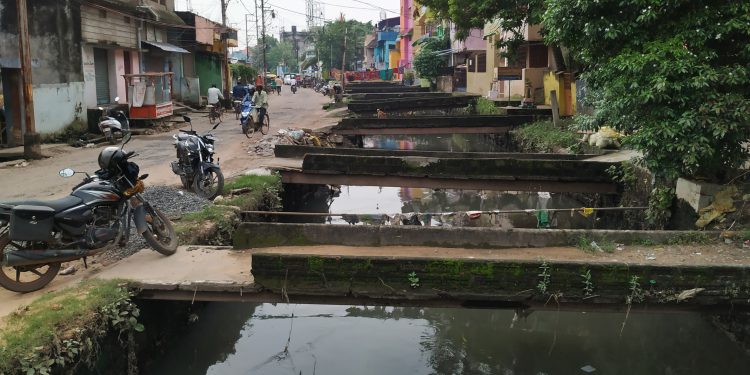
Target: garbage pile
x=290, y=136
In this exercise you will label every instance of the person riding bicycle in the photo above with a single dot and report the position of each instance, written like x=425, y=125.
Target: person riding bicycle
x=214, y=95
x=260, y=100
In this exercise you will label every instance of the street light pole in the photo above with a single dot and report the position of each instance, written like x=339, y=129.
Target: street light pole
x=32, y=148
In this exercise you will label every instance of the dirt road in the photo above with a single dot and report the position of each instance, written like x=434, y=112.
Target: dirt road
x=40, y=180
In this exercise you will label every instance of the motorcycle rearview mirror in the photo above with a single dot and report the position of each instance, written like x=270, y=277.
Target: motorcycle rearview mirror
x=125, y=139
x=143, y=176
x=216, y=126
x=67, y=172
x=187, y=119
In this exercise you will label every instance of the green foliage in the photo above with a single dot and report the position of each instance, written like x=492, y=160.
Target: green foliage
x=485, y=106
x=507, y=15
x=329, y=42
x=590, y=246
x=243, y=72
x=282, y=53
x=636, y=292
x=427, y=63
x=544, y=277
x=660, y=206
x=675, y=75
x=413, y=279
x=61, y=328
x=544, y=136
x=588, y=285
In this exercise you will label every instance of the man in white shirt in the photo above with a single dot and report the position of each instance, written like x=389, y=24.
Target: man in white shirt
x=214, y=95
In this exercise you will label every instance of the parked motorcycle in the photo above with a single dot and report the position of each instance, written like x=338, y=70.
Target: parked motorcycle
x=37, y=236
x=113, y=124
x=195, y=162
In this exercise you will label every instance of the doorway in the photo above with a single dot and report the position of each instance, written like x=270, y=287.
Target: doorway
x=101, y=73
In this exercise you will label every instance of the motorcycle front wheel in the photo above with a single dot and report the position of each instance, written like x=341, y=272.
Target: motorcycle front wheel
x=24, y=279
x=265, y=125
x=210, y=184
x=160, y=234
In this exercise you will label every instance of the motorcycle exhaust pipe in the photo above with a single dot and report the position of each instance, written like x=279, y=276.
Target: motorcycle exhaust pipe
x=34, y=257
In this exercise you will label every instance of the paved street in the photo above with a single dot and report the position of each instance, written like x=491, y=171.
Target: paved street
x=40, y=179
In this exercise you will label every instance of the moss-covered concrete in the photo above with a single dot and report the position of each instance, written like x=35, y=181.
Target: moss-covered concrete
x=299, y=151
x=498, y=280
x=512, y=169
x=260, y=235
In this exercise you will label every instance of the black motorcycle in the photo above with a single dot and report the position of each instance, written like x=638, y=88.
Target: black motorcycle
x=195, y=162
x=37, y=236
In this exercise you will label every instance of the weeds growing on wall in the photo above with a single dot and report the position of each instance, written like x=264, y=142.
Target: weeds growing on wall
x=544, y=136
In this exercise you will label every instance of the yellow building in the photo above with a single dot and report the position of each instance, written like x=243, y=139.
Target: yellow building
x=543, y=70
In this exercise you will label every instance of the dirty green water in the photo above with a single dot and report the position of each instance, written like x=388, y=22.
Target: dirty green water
x=389, y=201
x=236, y=338
x=445, y=142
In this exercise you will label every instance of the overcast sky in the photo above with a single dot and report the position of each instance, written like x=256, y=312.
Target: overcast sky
x=289, y=12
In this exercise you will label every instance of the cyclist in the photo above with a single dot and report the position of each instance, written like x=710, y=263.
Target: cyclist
x=214, y=95
x=260, y=100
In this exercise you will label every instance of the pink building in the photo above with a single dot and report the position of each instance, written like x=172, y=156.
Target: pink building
x=407, y=24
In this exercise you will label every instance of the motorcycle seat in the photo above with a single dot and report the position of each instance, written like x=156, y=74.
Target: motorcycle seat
x=57, y=205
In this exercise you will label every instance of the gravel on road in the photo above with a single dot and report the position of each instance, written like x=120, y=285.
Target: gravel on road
x=170, y=200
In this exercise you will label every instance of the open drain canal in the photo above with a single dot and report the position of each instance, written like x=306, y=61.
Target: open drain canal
x=244, y=338
x=445, y=207
x=446, y=142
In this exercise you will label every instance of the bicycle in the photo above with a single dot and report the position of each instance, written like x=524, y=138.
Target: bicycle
x=214, y=113
x=237, y=108
x=257, y=126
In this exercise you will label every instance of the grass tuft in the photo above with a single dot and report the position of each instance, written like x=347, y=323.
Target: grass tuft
x=544, y=136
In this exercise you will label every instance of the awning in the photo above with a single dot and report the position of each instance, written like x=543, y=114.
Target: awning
x=166, y=47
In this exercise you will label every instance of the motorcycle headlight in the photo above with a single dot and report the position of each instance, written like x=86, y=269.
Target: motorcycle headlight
x=245, y=114
x=210, y=148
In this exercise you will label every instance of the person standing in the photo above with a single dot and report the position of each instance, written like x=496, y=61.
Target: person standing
x=279, y=83
x=258, y=81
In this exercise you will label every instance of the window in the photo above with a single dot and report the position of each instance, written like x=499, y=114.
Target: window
x=471, y=66
x=127, y=19
x=482, y=63
x=102, y=13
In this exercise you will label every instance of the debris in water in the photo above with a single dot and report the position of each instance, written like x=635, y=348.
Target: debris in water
x=690, y=293
x=650, y=257
x=620, y=247
x=588, y=369
x=181, y=193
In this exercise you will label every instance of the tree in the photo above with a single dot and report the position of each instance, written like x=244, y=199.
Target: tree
x=282, y=53
x=329, y=42
x=673, y=74
x=511, y=15
x=427, y=62
x=243, y=72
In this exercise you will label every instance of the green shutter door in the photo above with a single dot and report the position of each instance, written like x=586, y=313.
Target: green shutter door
x=101, y=72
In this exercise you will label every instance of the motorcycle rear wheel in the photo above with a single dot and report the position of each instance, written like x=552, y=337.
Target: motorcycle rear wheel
x=160, y=234
x=21, y=281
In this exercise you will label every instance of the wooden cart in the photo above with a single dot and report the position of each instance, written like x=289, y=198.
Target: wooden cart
x=149, y=96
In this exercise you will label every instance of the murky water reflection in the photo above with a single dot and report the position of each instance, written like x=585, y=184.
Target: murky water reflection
x=333, y=340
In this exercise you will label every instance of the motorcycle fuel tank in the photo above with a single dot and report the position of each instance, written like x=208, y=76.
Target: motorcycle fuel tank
x=98, y=192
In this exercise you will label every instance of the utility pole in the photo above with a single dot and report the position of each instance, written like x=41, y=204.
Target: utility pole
x=225, y=49
x=343, y=61
x=247, y=42
x=32, y=148
x=257, y=34
x=263, y=30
